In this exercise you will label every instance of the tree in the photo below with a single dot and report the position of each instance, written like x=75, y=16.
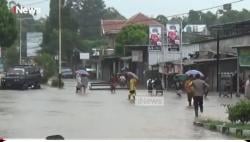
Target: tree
x=47, y=63
x=208, y=18
x=11, y=57
x=132, y=34
x=8, y=31
x=194, y=17
x=112, y=13
x=162, y=19
x=88, y=14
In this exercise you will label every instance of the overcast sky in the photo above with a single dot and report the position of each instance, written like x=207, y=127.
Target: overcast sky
x=151, y=8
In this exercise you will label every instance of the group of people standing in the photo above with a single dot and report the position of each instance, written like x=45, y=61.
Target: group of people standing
x=154, y=84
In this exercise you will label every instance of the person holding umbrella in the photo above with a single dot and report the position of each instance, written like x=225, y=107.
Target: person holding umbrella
x=83, y=79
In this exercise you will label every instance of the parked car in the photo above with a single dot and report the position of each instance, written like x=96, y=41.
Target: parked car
x=67, y=73
x=23, y=77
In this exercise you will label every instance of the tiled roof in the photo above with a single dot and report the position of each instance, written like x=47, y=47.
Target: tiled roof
x=114, y=26
x=142, y=19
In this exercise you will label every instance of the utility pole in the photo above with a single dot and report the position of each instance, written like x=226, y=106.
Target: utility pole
x=20, y=40
x=218, y=60
x=181, y=47
x=60, y=45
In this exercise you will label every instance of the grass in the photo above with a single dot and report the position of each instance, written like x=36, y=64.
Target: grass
x=228, y=124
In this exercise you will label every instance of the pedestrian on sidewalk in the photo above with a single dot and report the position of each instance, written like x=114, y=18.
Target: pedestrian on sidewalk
x=247, y=88
x=198, y=85
x=189, y=89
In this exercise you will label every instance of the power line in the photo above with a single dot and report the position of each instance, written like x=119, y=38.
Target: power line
x=178, y=15
x=37, y=2
x=205, y=9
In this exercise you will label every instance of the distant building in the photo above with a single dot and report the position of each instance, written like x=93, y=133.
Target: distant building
x=110, y=29
x=199, y=29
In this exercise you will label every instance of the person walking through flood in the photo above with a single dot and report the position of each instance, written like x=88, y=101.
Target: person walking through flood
x=78, y=83
x=189, y=89
x=198, y=85
x=84, y=83
x=113, y=82
x=132, y=88
x=150, y=86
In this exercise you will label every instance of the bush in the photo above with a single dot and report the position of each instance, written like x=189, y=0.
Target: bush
x=55, y=83
x=239, y=112
x=212, y=127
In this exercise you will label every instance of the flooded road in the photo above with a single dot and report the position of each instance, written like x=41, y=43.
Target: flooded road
x=100, y=115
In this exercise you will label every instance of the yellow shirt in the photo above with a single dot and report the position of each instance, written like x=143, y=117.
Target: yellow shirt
x=132, y=84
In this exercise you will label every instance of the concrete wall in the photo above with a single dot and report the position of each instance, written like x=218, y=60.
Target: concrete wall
x=225, y=44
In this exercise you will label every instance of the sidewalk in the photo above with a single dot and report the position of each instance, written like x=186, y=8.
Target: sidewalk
x=215, y=107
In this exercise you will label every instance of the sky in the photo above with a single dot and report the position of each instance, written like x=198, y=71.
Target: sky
x=151, y=8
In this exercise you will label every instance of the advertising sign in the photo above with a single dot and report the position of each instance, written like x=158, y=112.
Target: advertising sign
x=84, y=56
x=34, y=41
x=155, y=38
x=173, y=37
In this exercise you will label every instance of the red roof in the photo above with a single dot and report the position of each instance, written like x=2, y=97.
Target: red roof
x=114, y=26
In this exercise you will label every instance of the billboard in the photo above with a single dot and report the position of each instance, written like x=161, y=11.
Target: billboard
x=173, y=37
x=34, y=41
x=84, y=56
x=155, y=38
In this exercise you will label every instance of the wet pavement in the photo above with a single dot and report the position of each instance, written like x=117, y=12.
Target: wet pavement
x=101, y=115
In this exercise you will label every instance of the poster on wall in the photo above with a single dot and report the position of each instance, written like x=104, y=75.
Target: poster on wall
x=173, y=37
x=155, y=38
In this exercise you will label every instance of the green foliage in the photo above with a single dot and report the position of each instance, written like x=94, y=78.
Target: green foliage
x=11, y=57
x=162, y=19
x=239, y=112
x=212, y=127
x=132, y=34
x=194, y=17
x=112, y=13
x=88, y=14
x=55, y=83
x=8, y=31
x=47, y=63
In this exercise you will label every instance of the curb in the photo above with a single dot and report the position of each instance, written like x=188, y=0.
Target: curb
x=224, y=129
